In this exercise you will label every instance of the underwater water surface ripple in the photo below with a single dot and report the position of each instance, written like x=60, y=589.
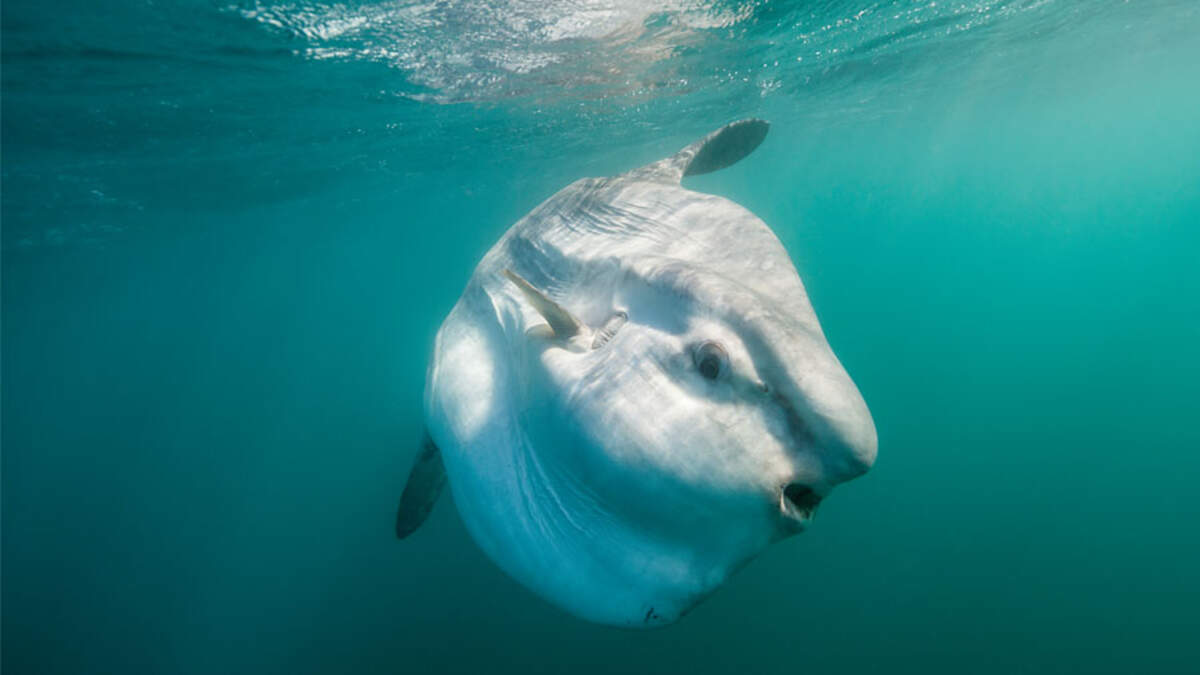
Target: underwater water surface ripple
x=231, y=229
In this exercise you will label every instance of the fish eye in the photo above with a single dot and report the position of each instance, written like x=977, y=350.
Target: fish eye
x=710, y=360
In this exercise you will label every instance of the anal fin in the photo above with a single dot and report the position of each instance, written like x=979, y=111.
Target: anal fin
x=425, y=482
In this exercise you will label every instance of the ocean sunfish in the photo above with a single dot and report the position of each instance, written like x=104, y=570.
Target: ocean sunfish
x=633, y=397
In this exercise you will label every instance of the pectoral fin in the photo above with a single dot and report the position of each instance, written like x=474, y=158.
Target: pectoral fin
x=561, y=321
x=425, y=483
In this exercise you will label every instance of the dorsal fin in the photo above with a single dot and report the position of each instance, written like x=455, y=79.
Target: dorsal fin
x=561, y=322
x=721, y=148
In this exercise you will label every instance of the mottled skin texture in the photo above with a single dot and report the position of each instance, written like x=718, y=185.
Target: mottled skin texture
x=622, y=483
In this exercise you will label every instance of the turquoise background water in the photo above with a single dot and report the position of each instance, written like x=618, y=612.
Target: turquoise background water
x=230, y=231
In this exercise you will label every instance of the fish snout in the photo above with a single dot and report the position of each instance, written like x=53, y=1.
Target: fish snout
x=842, y=437
x=851, y=446
x=826, y=418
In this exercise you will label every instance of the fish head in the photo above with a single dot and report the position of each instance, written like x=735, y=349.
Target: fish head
x=701, y=421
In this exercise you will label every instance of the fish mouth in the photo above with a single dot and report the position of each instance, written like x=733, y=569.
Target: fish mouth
x=799, y=502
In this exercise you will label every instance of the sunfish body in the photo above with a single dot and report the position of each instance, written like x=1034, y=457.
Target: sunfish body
x=633, y=397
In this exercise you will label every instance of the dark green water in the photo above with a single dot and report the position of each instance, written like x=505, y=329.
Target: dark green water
x=230, y=233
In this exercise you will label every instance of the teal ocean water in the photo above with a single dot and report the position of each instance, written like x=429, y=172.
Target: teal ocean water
x=231, y=230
